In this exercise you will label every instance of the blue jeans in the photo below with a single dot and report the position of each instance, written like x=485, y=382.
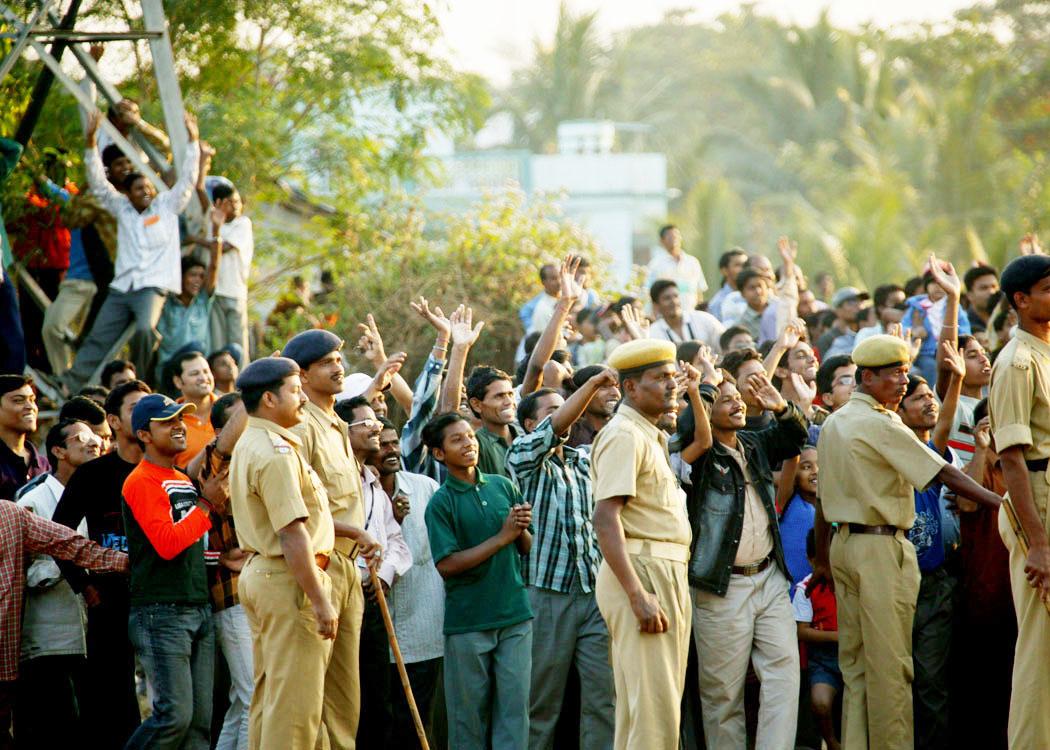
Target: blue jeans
x=176, y=645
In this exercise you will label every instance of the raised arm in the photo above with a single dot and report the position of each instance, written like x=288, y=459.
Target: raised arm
x=787, y=308
x=568, y=292
x=217, y=217
x=788, y=339
x=693, y=378
x=177, y=198
x=574, y=406
x=463, y=337
x=371, y=345
x=953, y=370
x=110, y=198
x=945, y=277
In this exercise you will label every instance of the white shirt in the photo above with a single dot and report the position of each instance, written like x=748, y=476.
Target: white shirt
x=696, y=325
x=685, y=272
x=236, y=262
x=42, y=500
x=542, y=313
x=384, y=528
x=417, y=598
x=148, y=252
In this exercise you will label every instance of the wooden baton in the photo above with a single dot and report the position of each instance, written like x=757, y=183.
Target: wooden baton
x=381, y=597
x=1022, y=537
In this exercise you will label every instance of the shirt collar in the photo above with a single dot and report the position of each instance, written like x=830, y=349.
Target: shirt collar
x=266, y=424
x=869, y=400
x=1035, y=343
x=460, y=486
x=321, y=415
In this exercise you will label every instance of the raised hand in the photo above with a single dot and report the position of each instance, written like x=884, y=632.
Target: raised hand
x=953, y=359
x=788, y=251
x=982, y=433
x=385, y=374
x=191, y=127
x=464, y=332
x=805, y=392
x=217, y=217
x=603, y=379
x=690, y=376
x=711, y=374
x=569, y=289
x=792, y=334
x=1029, y=245
x=94, y=123
x=434, y=317
x=944, y=275
x=763, y=392
x=371, y=342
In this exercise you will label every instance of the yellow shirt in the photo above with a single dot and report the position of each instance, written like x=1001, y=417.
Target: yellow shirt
x=325, y=442
x=870, y=465
x=1019, y=396
x=272, y=485
x=629, y=459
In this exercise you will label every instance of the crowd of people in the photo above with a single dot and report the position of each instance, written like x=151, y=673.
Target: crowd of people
x=768, y=514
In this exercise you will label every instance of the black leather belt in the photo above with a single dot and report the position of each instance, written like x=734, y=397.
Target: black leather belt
x=1038, y=464
x=883, y=530
x=754, y=568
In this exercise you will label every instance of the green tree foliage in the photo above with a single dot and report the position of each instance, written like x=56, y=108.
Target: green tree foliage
x=872, y=148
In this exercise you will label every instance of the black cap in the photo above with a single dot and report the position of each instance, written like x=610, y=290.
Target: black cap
x=266, y=371
x=309, y=346
x=1021, y=274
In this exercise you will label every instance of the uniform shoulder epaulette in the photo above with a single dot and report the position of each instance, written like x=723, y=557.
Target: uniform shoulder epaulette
x=1022, y=356
x=280, y=445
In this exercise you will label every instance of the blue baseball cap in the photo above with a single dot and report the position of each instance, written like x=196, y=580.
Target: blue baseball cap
x=156, y=407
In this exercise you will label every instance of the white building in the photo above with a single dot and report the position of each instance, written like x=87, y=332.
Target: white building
x=619, y=198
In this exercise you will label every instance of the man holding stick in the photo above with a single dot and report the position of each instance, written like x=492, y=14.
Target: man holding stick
x=1019, y=407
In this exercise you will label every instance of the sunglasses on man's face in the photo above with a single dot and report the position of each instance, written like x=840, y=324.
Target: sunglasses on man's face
x=369, y=424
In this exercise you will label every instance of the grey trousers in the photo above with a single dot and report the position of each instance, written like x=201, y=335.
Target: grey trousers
x=229, y=325
x=752, y=622
x=569, y=628
x=141, y=307
x=931, y=646
x=487, y=688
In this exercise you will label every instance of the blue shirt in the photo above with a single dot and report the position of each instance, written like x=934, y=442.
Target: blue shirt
x=78, y=265
x=180, y=324
x=795, y=523
x=926, y=533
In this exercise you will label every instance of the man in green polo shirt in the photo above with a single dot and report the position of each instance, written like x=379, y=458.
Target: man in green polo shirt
x=478, y=527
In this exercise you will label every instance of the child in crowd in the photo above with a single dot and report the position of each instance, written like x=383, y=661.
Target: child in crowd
x=796, y=517
x=818, y=627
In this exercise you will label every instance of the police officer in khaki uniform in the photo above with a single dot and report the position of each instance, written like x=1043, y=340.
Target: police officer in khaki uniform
x=870, y=463
x=1019, y=406
x=644, y=535
x=325, y=444
x=283, y=523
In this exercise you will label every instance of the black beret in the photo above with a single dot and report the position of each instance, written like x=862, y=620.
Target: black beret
x=1022, y=273
x=266, y=371
x=309, y=346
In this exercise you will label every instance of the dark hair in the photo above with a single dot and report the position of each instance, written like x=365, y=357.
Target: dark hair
x=386, y=423
x=131, y=179
x=10, y=383
x=727, y=257
x=220, y=410
x=253, y=396
x=115, y=399
x=345, y=409
x=964, y=339
x=827, y=318
x=729, y=334
x=913, y=285
x=110, y=154
x=621, y=303
x=545, y=266
x=113, y=367
x=216, y=354
x=746, y=275
x=582, y=375
x=82, y=409
x=587, y=313
x=94, y=391
x=529, y=404
x=980, y=410
x=826, y=372
x=733, y=360
x=481, y=377
x=1001, y=319
x=977, y=272
x=222, y=191
x=56, y=437
x=687, y=351
x=434, y=432
x=180, y=359
x=914, y=381
x=882, y=293
x=192, y=261
x=665, y=229
x=659, y=287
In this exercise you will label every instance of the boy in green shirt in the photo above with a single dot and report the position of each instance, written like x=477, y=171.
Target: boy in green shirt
x=478, y=527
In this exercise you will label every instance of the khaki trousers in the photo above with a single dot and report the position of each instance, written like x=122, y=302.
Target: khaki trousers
x=1029, y=725
x=876, y=587
x=66, y=314
x=648, y=669
x=301, y=678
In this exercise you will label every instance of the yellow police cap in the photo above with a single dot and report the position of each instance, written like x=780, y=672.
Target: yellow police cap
x=881, y=351
x=641, y=354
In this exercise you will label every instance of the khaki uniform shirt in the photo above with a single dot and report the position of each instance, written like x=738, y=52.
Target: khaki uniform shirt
x=1019, y=396
x=271, y=485
x=755, y=540
x=326, y=447
x=870, y=465
x=629, y=459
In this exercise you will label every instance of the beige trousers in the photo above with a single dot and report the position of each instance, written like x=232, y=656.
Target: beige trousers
x=876, y=587
x=648, y=669
x=1029, y=725
x=64, y=315
x=342, y=681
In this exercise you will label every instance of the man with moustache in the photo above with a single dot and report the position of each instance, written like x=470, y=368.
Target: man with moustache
x=170, y=622
x=644, y=535
x=600, y=408
x=870, y=462
x=324, y=442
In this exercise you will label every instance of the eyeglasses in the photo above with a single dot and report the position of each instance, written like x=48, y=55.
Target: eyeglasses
x=84, y=438
x=369, y=424
x=845, y=380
